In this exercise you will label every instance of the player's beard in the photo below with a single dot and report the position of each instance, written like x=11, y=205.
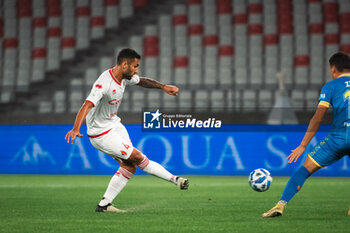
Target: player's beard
x=128, y=74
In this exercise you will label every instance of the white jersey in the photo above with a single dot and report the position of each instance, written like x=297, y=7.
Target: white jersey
x=106, y=96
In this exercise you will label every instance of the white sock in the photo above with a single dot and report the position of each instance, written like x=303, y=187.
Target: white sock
x=156, y=169
x=116, y=184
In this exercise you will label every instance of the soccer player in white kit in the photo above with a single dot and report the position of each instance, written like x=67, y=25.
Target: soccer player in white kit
x=109, y=135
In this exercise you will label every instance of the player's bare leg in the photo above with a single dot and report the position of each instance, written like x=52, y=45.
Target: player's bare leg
x=117, y=183
x=154, y=168
x=310, y=167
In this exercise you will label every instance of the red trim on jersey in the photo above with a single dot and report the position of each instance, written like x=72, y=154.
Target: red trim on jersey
x=99, y=135
x=90, y=102
x=110, y=72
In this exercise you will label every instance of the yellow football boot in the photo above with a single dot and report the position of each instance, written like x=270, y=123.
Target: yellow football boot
x=276, y=211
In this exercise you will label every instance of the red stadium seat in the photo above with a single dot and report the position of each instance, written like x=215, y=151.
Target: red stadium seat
x=302, y=60
x=255, y=8
x=223, y=6
x=10, y=43
x=39, y=53
x=240, y=19
x=316, y=28
x=254, y=29
x=210, y=40
x=332, y=39
x=194, y=2
x=226, y=50
x=179, y=19
x=68, y=42
x=270, y=39
x=24, y=8
x=151, y=46
x=195, y=29
x=345, y=48
x=140, y=3
x=180, y=62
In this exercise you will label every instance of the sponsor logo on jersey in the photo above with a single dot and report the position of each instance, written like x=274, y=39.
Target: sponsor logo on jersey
x=114, y=101
x=123, y=152
x=98, y=86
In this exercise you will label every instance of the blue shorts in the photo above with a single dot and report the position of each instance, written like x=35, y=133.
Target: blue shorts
x=329, y=150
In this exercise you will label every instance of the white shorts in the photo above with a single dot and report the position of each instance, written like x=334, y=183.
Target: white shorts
x=115, y=143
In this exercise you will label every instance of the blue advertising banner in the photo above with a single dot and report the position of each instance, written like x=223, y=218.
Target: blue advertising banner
x=41, y=149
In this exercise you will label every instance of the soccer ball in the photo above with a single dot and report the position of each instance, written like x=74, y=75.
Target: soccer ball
x=260, y=180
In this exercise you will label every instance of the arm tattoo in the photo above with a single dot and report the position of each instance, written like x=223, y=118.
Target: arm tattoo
x=150, y=83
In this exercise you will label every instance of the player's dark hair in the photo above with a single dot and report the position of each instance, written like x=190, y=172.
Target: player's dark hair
x=341, y=61
x=128, y=54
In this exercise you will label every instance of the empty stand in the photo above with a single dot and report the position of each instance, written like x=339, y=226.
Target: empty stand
x=223, y=54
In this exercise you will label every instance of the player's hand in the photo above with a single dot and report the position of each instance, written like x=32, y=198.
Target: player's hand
x=171, y=90
x=71, y=135
x=296, y=154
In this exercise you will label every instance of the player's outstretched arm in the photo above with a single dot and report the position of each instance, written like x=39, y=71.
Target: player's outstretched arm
x=150, y=83
x=312, y=129
x=84, y=110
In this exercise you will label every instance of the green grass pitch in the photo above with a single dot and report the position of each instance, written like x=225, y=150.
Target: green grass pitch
x=212, y=204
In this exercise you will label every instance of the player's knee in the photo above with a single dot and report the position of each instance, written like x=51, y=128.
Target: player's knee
x=136, y=157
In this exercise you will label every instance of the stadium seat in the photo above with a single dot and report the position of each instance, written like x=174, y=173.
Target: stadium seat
x=97, y=21
x=311, y=97
x=126, y=8
x=105, y=63
x=112, y=14
x=54, y=32
x=68, y=40
x=151, y=51
x=298, y=100
x=271, y=58
x=195, y=40
x=24, y=45
x=59, y=100
x=185, y=100
x=169, y=101
x=265, y=100
x=165, y=48
x=180, y=62
x=249, y=100
x=201, y=101
x=301, y=64
x=82, y=32
x=153, y=100
x=45, y=106
x=10, y=46
x=216, y=101
x=76, y=95
x=137, y=98
x=135, y=42
x=226, y=53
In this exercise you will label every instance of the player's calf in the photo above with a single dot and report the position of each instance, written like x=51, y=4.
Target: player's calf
x=154, y=168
